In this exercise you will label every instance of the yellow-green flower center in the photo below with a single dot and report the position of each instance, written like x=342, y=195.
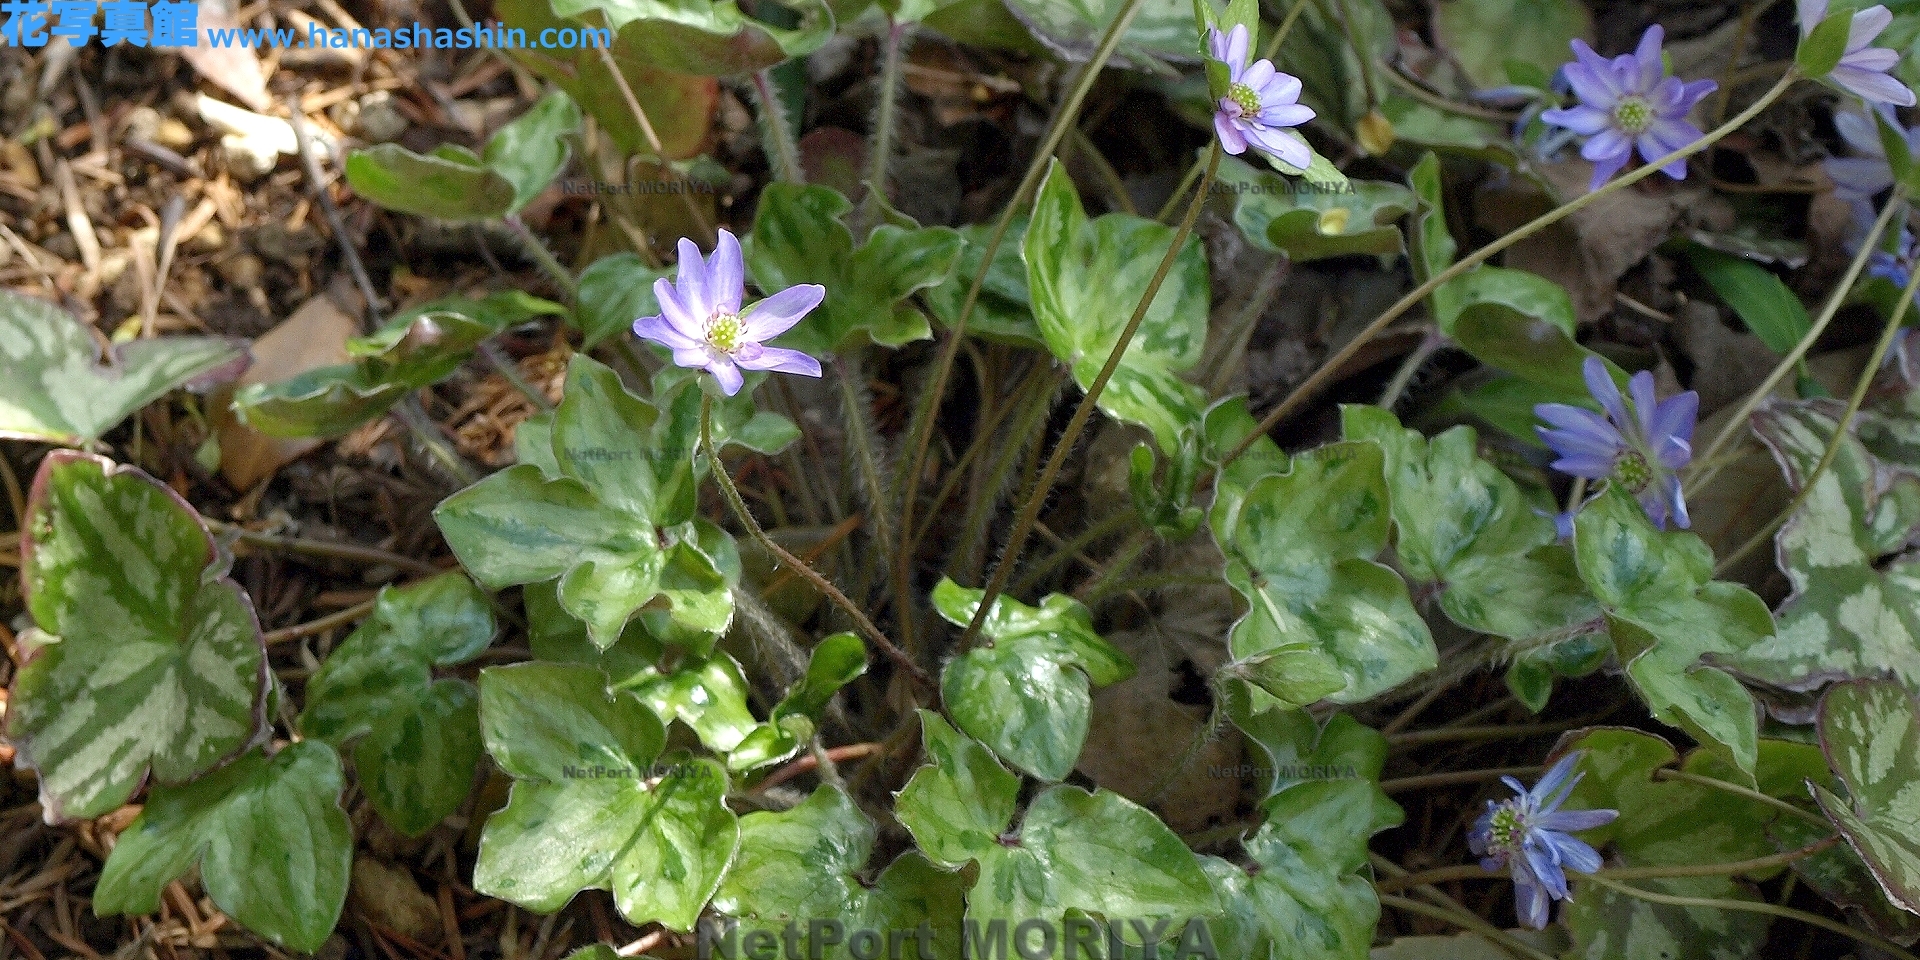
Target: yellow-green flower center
x=1247, y=98
x=724, y=331
x=1632, y=472
x=1503, y=831
x=1633, y=114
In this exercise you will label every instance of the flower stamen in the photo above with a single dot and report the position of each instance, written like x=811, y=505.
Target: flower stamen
x=724, y=331
x=1633, y=114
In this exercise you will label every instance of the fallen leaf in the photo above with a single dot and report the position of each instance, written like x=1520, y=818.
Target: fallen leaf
x=314, y=336
x=234, y=69
x=389, y=898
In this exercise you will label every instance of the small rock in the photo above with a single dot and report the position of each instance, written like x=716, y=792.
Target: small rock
x=379, y=120
x=173, y=134
x=142, y=123
x=390, y=898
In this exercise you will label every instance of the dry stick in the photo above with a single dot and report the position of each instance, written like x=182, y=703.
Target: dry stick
x=1473, y=871
x=1704, y=461
x=820, y=583
x=1030, y=511
x=1320, y=378
x=653, y=140
x=322, y=625
x=923, y=428
x=409, y=410
x=1744, y=906
x=323, y=548
x=1827, y=456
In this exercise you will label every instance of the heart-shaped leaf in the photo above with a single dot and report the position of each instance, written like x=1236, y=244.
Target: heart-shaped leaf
x=1309, y=222
x=1305, y=896
x=615, y=526
x=1665, y=613
x=143, y=656
x=1004, y=312
x=1465, y=526
x=452, y=184
x=1299, y=549
x=1073, y=850
x=1086, y=277
x=1023, y=691
x=272, y=845
x=55, y=388
x=709, y=696
x=799, y=237
x=589, y=808
x=1871, y=734
x=416, y=348
x=806, y=866
x=418, y=738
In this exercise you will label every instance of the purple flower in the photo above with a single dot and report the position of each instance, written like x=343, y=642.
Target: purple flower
x=701, y=321
x=1896, y=265
x=1862, y=70
x=1629, y=102
x=1642, y=451
x=1260, y=102
x=1529, y=835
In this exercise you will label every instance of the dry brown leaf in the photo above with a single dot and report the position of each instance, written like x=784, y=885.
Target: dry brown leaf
x=389, y=898
x=314, y=336
x=231, y=68
x=1140, y=742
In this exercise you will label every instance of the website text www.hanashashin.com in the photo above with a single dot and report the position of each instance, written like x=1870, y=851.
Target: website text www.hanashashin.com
x=172, y=23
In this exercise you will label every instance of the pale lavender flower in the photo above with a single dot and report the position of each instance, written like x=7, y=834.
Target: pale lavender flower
x=1260, y=102
x=1862, y=70
x=1626, y=103
x=1642, y=450
x=1860, y=178
x=701, y=321
x=1531, y=837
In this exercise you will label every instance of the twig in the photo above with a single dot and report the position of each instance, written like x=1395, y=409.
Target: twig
x=322, y=625
x=323, y=548
x=805, y=763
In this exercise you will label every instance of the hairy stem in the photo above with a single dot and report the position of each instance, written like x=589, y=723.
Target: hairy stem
x=784, y=152
x=537, y=249
x=883, y=118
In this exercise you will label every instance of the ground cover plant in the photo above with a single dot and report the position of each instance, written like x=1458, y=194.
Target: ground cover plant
x=962, y=478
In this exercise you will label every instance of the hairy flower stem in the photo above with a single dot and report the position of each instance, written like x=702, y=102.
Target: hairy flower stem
x=1447, y=908
x=1322, y=377
x=1429, y=344
x=1738, y=423
x=883, y=117
x=1030, y=509
x=777, y=132
x=1748, y=906
x=1099, y=530
x=1832, y=451
x=807, y=573
x=862, y=439
x=537, y=249
x=924, y=413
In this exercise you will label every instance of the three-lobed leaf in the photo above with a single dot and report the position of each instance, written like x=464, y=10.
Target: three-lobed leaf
x=452, y=184
x=144, y=657
x=272, y=844
x=1024, y=690
x=1870, y=731
x=416, y=740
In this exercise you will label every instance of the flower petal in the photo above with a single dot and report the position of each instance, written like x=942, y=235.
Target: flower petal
x=1285, y=115
x=1570, y=821
x=781, y=359
x=776, y=314
x=1288, y=147
x=1866, y=25
x=1258, y=73
x=662, y=331
x=1604, y=390
x=1574, y=854
x=694, y=286
x=1607, y=145
x=1647, y=57
x=1230, y=138
x=1283, y=89
x=727, y=273
x=1591, y=77
x=727, y=374
x=1581, y=119
x=1872, y=86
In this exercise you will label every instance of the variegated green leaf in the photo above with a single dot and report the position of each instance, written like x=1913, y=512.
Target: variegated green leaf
x=1023, y=691
x=1665, y=614
x=1086, y=277
x=55, y=388
x=272, y=845
x=616, y=526
x=590, y=807
x=1307, y=222
x=418, y=739
x=799, y=237
x=1300, y=549
x=144, y=656
x=709, y=696
x=805, y=865
x=1871, y=734
x=1667, y=823
x=1855, y=606
x=416, y=348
